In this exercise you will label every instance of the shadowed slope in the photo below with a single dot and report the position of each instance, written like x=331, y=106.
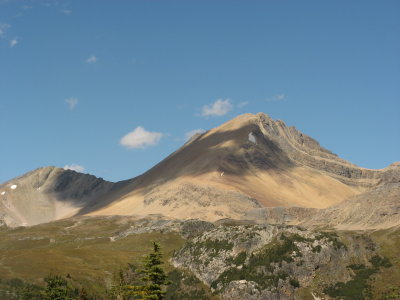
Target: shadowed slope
x=48, y=194
x=249, y=162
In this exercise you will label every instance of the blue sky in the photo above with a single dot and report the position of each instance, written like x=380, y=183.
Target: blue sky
x=115, y=86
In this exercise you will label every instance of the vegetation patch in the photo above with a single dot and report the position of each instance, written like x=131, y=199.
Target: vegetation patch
x=185, y=285
x=259, y=267
x=333, y=238
x=239, y=259
x=358, y=287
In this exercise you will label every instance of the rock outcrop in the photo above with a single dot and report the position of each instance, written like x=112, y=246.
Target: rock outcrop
x=272, y=262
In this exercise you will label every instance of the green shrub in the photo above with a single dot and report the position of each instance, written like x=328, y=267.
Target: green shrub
x=294, y=282
x=358, y=288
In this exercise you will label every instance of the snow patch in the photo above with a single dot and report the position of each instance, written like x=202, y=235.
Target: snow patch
x=252, y=138
x=222, y=174
x=13, y=187
x=3, y=193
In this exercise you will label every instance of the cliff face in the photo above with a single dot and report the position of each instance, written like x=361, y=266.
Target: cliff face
x=48, y=194
x=304, y=150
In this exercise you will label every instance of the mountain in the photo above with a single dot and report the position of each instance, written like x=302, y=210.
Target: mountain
x=251, y=163
x=247, y=163
x=48, y=194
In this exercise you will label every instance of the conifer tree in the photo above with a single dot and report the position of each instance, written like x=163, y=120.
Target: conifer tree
x=153, y=276
x=56, y=288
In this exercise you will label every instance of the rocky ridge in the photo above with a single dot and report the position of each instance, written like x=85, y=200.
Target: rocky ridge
x=304, y=150
x=48, y=194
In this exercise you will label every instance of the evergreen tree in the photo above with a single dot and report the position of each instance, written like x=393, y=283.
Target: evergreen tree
x=59, y=288
x=56, y=288
x=119, y=287
x=153, y=276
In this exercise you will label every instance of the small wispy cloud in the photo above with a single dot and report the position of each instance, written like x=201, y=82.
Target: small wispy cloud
x=66, y=11
x=13, y=42
x=75, y=167
x=219, y=108
x=140, y=138
x=276, y=98
x=242, y=104
x=72, y=102
x=191, y=133
x=3, y=29
x=92, y=59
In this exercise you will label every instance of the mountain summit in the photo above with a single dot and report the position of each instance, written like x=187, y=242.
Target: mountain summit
x=248, y=163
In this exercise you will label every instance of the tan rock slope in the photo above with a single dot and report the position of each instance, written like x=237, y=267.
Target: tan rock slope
x=250, y=166
x=249, y=162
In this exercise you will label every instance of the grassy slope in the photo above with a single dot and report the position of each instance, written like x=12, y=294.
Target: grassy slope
x=387, y=279
x=83, y=251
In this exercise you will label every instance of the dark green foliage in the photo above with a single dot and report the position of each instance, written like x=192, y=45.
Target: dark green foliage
x=333, y=238
x=294, y=282
x=119, y=286
x=316, y=249
x=191, y=280
x=152, y=275
x=58, y=288
x=16, y=289
x=378, y=262
x=358, y=288
x=239, y=259
x=356, y=267
x=175, y=278
x=184, y=286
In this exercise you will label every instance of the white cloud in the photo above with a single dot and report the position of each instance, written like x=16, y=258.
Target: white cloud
x=189, y=134
x=92, y=59
x=13, y=42
x=3, y=29
x=219, y=108
x=66, y=11
x=140, y=138
x=71, y=102
x=75, y=167
x=276, y=98
x=243, y=104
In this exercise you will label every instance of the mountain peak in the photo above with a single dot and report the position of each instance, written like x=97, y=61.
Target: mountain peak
x=249, y=162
